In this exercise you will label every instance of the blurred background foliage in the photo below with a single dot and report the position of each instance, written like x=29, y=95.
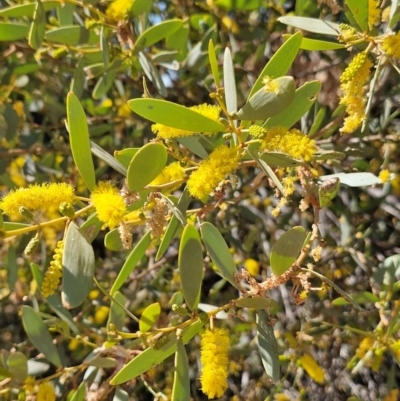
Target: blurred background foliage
x=98, y=59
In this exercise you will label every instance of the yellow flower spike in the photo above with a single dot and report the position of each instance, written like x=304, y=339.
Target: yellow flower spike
x=212, y=171
x=391, y=45
x=37, y=197
x=312, y=368
x=118, y=10
x=46, y=392
x=109, y=204
x=54, y=272
x=215, y=362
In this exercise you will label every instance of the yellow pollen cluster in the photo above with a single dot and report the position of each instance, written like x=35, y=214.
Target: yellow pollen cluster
x=166, y=132
x=347, y=33
x=353, y=80
x=293, y=143
x=173, y=172
x=391, y=45
x=109, y=204
x=212, y=171
x=257, y=132
x=384, y=175
x=312, y=368
x=37, y=197
x=374, y=13
x=54, y=272
x=46, y=392
x=366, y=344
x=215, y=362
x=118, y=10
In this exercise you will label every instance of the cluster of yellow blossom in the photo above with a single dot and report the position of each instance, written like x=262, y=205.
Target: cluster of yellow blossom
x=173, y=172
x=293, y=143
x=391, y=45
x=215, y=362
x=374, y=13
x=109, y=204
x=46, y=392
x=166, y=132
x=221, y=162
x=54, y=272
x=118, y=10
x=37, y=197
x=312, y=368
x=353, y=80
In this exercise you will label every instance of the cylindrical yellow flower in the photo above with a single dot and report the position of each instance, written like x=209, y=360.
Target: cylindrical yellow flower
x=118, y=10
x=215, y=362
x=46, y=392
x=109, y=204
x=311, y=366
x=212, y=171
x=54, y=272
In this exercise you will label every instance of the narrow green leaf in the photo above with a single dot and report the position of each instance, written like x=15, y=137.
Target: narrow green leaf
x=157, y=33
x=394, y=13
x=335, y=287
x=112, y=240
x=364, y=297
x=327, y=191
x=25, y=10
x=130, y=263
x=277, y=159
x=213, y=63
x=39, y=334
x=304, y=98
x=78, y=268
x=219, y=252
x=72, y=35
x=13, y=31
x=190, y=264
x=181, y=387
x=79, y=139
x=193, y=144
x=173, y=225
x=256, y=303
x=146, y=165
x=174, y=115
x=104, y=47
x=311, y=25
x=120, y=394
x=38, y=26
x=152, y=74
x=229, y=83
x=149, y=317
x=117, y=312
x=78, y=81
x=263, y=104
x=106, y=157
x=141, y=6
x=80, y=393
x=359, y=10
x=239, y=4
x=91, y=227
x=17, y=363
x=319, y=45
x=354, y=179
x=152, y=356
x=103, y=84
x=65, y=13
x=12, y=266
x=267, y=345
x=280, y=62
x=54, y=301
x=286, y=250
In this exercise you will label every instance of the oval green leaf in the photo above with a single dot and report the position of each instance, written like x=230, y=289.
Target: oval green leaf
x=25, y=10
x=112, y=240
x=190, y=264
x=153, y=356
x=13, y=31
x=181, y=387
x=38, y=26
x=140, y=7
x=280, y=62
x=149, y=317
x=229, y=83
x=312, y=25
x=256, y=303
x=157, y=33
x=72, y=35
x=132, y=260
x=286, y=250
x=79, y=139
x=117, y=312
x=267, y=345
x=263, y=105
x=17, y=363
x=174, y=115
x=304, y=98
x=359, y=10
x=125, y=156
x=146, y=165
x=219, y=252
x=39, y=335
x=78, y=268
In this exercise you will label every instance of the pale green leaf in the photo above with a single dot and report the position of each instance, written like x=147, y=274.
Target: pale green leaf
x=141, y=6
x=219, y=252
x=117, y=312
x=286, y=250
x=38, y=26
x=181, y=387
x=311, y=25
x=359, y=10
x=149, y=317
x=277, y=159
x=17, y=363
x=112, y=240
x=125, y=156
x=131, y=261
x=25, y=10
x=13, y=31
x=256, y=303
x=79, y=140
x=174, y=115
x=213, y=63
x=317, y=45
x=354, y=179
x=39, y=335
x=229, y=83
x=190, y=264
x=78, y=267
x=72, y=35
